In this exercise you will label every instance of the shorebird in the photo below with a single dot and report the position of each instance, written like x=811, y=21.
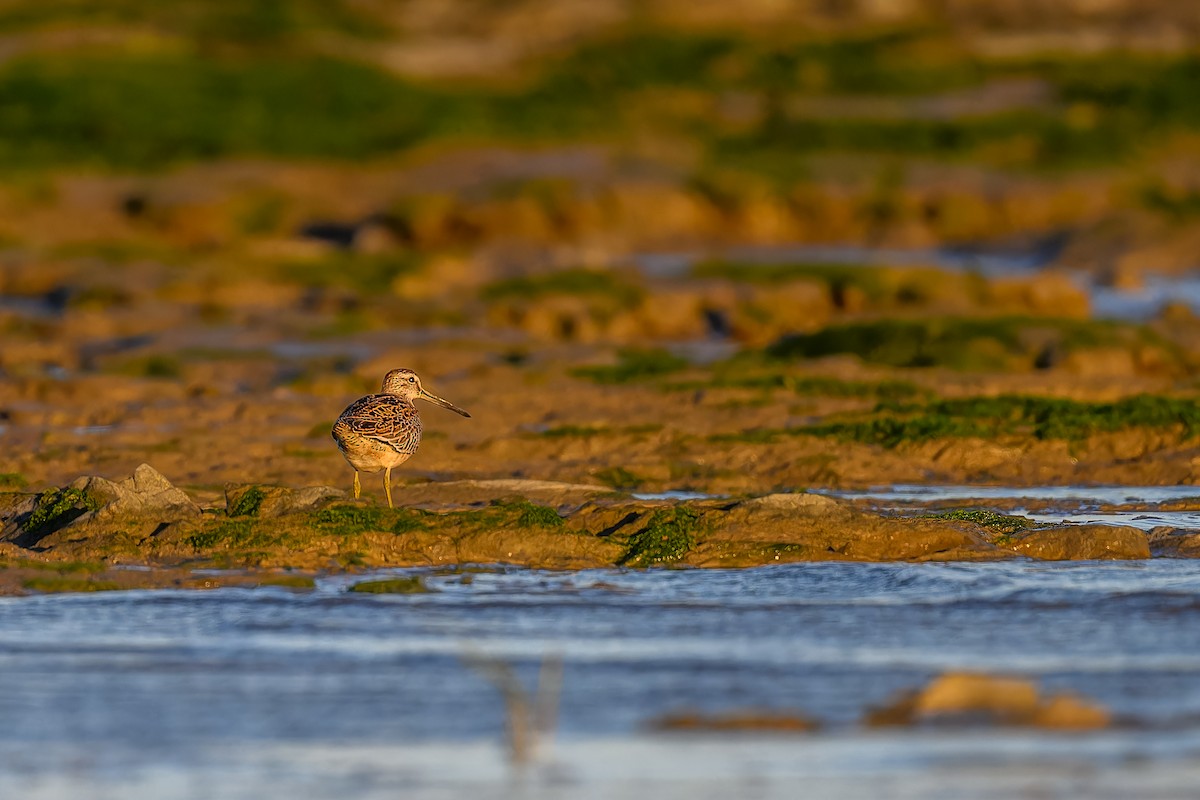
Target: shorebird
x=381, y=431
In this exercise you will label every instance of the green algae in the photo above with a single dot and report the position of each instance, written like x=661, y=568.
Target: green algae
x=411, y=585
x=226, y=534
x=156, y=367
x=407, y=520
x=805, y=386
x=248, y=504
x=579, y=282
x=1000, y=526
x=61, y=567
x=634, y=365
x=13, y=480
x=619, y=478
x=584, y=431
x=891, y=424
x=530, y=515
x=57, y=507
x=667, y=537
x=348, y=519
x=52, y=585
x=962, y=343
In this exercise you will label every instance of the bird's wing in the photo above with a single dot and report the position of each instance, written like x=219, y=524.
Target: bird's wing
x=385, y=419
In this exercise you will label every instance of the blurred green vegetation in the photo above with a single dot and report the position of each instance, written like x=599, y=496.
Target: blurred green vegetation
x=251, y=80
x=361, y=272
x=635, y=365
x=731, y=377
x=219, y=21
x=580, y=282
x=893, y=424
x=871, y=281
x=965, y=343
x=150, y=110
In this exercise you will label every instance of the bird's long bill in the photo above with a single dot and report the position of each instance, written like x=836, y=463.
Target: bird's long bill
x=433, y=398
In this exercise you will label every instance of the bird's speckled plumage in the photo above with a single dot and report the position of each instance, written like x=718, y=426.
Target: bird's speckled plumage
x=385, y=421
x=382, y=431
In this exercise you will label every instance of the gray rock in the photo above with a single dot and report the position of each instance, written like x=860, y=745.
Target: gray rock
x=14, y=507
x=1166, y=542
x=145, y=492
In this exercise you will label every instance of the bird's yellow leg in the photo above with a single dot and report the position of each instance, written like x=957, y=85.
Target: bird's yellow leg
x=387, y=485
x=357, y=485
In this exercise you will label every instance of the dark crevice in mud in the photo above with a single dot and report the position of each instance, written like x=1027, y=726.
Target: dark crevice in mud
x=628, y=519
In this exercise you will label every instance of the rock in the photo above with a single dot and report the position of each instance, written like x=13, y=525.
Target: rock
x=1168, y=542
x=253, y=500
x=13, y=507
x=806, y=527
x=1071, y=712
x=965, y=698
x=793, y=500
x=963, y=693
x=145, y=492
x=1082, y=542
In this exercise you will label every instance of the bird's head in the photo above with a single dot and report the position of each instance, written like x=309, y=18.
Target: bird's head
x=407, y=384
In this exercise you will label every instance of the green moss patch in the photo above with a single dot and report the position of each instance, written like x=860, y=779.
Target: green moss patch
x=1001, y=527
x=236, y=535
x=248, y=504
x=667, y=537
x=58, y=507
x=891, y=424
x=583, y=431
x=962, y=343
x=804, y=385
x=413, y=585
x=13, y=480
x=634, y=365
x=619, y=478
x=579, y=282
x=530, y=515
x=365, y=273
x=348, y=519
x=51, y=585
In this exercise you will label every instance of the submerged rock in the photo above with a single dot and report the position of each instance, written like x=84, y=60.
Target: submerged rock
x=1082, y=542
x=808, y=527
x=1166, y=542
x=965, y=698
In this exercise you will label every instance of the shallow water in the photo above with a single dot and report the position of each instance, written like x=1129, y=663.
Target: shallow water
x=1135, y=506
x=260, y=693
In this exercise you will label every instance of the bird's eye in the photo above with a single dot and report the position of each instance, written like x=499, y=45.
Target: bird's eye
x=412, y=379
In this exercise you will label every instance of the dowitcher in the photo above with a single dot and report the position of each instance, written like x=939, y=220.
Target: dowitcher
x=381, y=431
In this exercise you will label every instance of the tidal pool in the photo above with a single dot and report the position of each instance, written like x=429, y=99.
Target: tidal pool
x=251, y=693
